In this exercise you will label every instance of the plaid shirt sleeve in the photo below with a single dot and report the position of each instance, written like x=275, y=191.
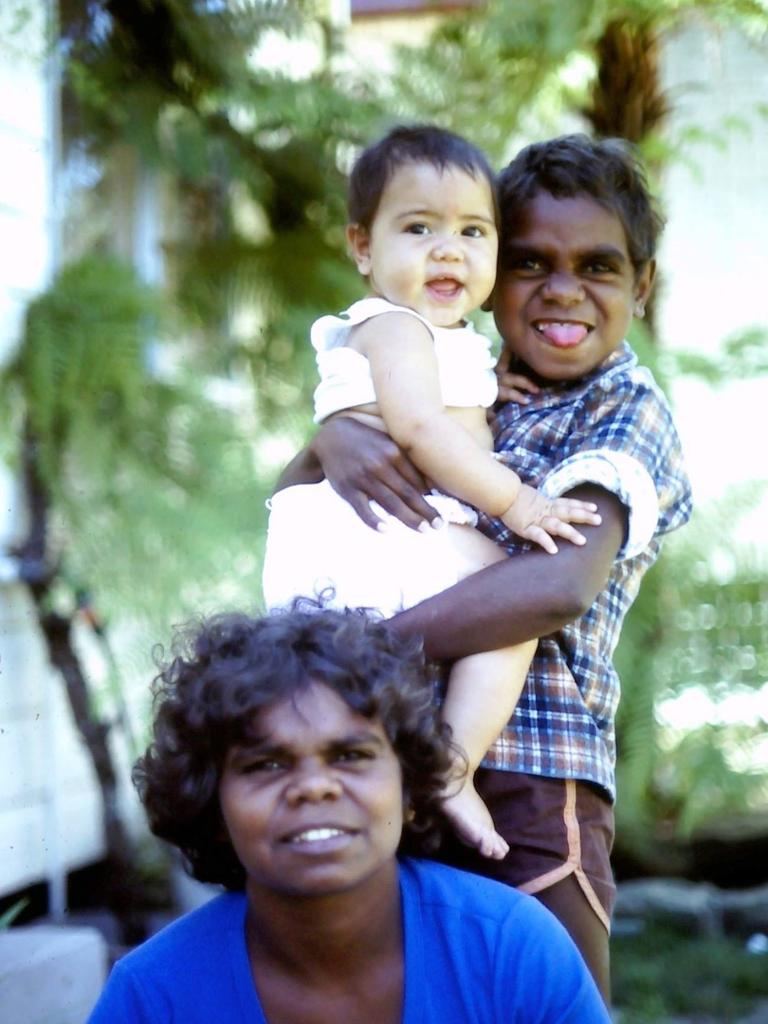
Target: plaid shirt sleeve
x=628, y=443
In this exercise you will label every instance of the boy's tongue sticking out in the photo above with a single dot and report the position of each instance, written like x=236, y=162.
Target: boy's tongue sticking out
x=563, y=334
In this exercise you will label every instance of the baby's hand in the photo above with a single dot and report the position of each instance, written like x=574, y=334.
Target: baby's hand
x=538, y=519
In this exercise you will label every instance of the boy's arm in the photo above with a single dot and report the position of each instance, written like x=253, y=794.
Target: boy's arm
x=363, y=465
x=304, y=468
x=519, y=599
x=529, y=595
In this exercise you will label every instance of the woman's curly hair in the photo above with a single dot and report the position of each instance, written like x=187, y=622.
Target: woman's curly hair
x=227, y=669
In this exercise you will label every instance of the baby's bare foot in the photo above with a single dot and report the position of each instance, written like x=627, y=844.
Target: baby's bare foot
x=473, y=823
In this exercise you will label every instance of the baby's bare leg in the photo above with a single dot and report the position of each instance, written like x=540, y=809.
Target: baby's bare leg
x=482, y=693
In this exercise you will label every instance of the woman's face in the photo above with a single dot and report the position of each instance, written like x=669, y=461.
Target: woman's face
x=314, y=804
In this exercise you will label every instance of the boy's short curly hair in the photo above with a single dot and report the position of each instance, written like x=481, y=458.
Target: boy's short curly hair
x=409, y=144
x=227, y=669
x=607, y=170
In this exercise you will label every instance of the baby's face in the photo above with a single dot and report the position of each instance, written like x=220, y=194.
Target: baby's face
x=567, y=289
x=432, y=245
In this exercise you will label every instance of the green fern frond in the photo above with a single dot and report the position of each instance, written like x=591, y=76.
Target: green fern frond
x=691, y=625
x=81, y=363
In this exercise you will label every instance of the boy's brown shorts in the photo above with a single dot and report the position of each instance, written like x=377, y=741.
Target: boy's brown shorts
x=554, y=827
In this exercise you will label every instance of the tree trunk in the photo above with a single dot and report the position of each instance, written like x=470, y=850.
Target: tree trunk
x=627, y=100
x=38, y=572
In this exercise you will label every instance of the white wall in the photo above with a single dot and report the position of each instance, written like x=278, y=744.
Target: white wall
x=25, y=200
x=49, y=812
x=715, y=255
x=371, y=39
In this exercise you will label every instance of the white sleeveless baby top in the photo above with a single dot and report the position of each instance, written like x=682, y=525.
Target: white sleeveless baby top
x=464, y=360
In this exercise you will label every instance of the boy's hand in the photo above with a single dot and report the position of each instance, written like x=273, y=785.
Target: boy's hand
x=514, y=387
x=363, y=464
x=538, y=519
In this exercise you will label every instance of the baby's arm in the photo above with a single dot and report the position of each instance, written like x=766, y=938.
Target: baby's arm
x=405, y=376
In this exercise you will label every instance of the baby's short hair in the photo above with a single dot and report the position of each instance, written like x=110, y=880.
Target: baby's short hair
x=409, y=144
x=224, y=671
x=607, y=170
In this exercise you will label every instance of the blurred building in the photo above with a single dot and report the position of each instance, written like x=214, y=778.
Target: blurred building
x=49, y=811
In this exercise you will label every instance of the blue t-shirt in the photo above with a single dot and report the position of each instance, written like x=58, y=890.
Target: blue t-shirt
x=476, y=952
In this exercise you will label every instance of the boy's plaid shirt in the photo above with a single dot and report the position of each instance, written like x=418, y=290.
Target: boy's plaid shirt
x=612, y=428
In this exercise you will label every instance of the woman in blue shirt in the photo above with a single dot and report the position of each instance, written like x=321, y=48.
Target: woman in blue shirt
x=297, y=760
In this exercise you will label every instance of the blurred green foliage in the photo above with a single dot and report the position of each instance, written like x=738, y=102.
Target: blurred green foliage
x=742, y=356
x=9, y=916
x=248, y=152
x=693, y=642
x=150, y=483
x=663, y=973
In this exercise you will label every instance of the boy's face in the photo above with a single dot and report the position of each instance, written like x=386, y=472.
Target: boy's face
x=432, y=244
x=567, y=290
